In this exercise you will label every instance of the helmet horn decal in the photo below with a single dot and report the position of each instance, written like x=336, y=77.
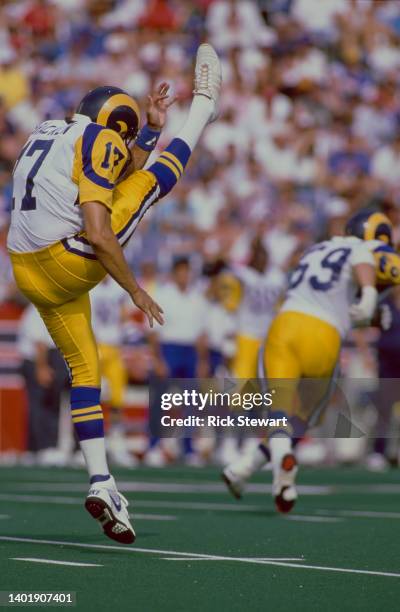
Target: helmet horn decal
x=112, y=104
x=376, y=227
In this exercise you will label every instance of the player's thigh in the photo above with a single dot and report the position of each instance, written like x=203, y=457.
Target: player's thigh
x=282, y=364
x=319, y=349
x=54, y=275
x=281, y=356
x=245, y=360
x=131, y=198
x=70, y=327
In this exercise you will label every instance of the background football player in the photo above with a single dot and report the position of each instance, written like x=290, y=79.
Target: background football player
x=305, y=338
x=252, y=291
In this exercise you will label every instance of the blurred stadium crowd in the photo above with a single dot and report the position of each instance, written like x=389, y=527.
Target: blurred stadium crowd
x=309, y=128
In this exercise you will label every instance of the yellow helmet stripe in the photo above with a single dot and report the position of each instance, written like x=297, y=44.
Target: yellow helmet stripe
x=112, y=103
x=373, y=223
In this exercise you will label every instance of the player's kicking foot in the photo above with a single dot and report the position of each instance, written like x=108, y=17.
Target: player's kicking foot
x=283, y=488
x=207, y=76
x=105, y=504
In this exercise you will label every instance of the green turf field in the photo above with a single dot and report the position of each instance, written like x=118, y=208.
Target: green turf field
x=198, y=549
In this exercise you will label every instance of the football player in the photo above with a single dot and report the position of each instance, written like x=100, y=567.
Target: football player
x=304, y=339
x=252, y=291
x=70, y=219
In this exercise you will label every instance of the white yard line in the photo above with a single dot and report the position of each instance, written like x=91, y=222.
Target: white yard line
x=313, y=519
x=39, y=499
x=54, y=562
x=318, y=516
x=210, y=487
x=162, y=487
x=359, y=514
x=190, y=555
x=61, y=499
x=153, y=517
x=212, y=558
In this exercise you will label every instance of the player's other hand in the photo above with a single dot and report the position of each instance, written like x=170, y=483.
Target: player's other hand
x=158, y=102
x=151, y=309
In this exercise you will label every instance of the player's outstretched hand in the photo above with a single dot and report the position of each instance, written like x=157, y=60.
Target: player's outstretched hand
x=151, y=309
x=158, y=103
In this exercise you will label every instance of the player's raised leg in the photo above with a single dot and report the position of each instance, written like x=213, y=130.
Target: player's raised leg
x=135, y=194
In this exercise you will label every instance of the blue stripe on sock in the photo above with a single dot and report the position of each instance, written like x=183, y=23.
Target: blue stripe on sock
x=180, y=149
x=278, y=414
x=84, y=397
x=282, y=430
x=165, y=177
x=99, y=478
x=265, y=450
x=87, y=430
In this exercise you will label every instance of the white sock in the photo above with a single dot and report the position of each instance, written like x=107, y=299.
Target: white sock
x=279, y=446
x=199, y=115
x=94, y=451
x=249, y=464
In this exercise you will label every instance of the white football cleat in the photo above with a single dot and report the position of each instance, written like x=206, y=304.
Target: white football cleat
x=105, y=504
x=237, y=473
x=283, y=487
x=376, y=462
x=207, y=76
x=234, y=482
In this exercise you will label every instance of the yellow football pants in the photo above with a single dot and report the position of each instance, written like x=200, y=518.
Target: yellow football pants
x=300, y=346
x=113, y=370
x=246, y=356
x=57, y=282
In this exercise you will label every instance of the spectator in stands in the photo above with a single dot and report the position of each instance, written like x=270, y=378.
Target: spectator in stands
x=178, y=350
x=45, y=377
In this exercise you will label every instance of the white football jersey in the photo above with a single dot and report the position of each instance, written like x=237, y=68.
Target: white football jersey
x=107, y=300
x=219, y=325
x=184, y=314
x=260, y=293
x=61, y=166
x=323, y=286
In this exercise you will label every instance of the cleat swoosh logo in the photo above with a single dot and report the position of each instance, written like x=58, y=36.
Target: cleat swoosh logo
x=116, y=500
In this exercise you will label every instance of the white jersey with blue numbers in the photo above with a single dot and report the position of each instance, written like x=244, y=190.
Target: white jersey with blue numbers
x=107, y=300
x=260, y=292
x=323, y=285
x=62, y=165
